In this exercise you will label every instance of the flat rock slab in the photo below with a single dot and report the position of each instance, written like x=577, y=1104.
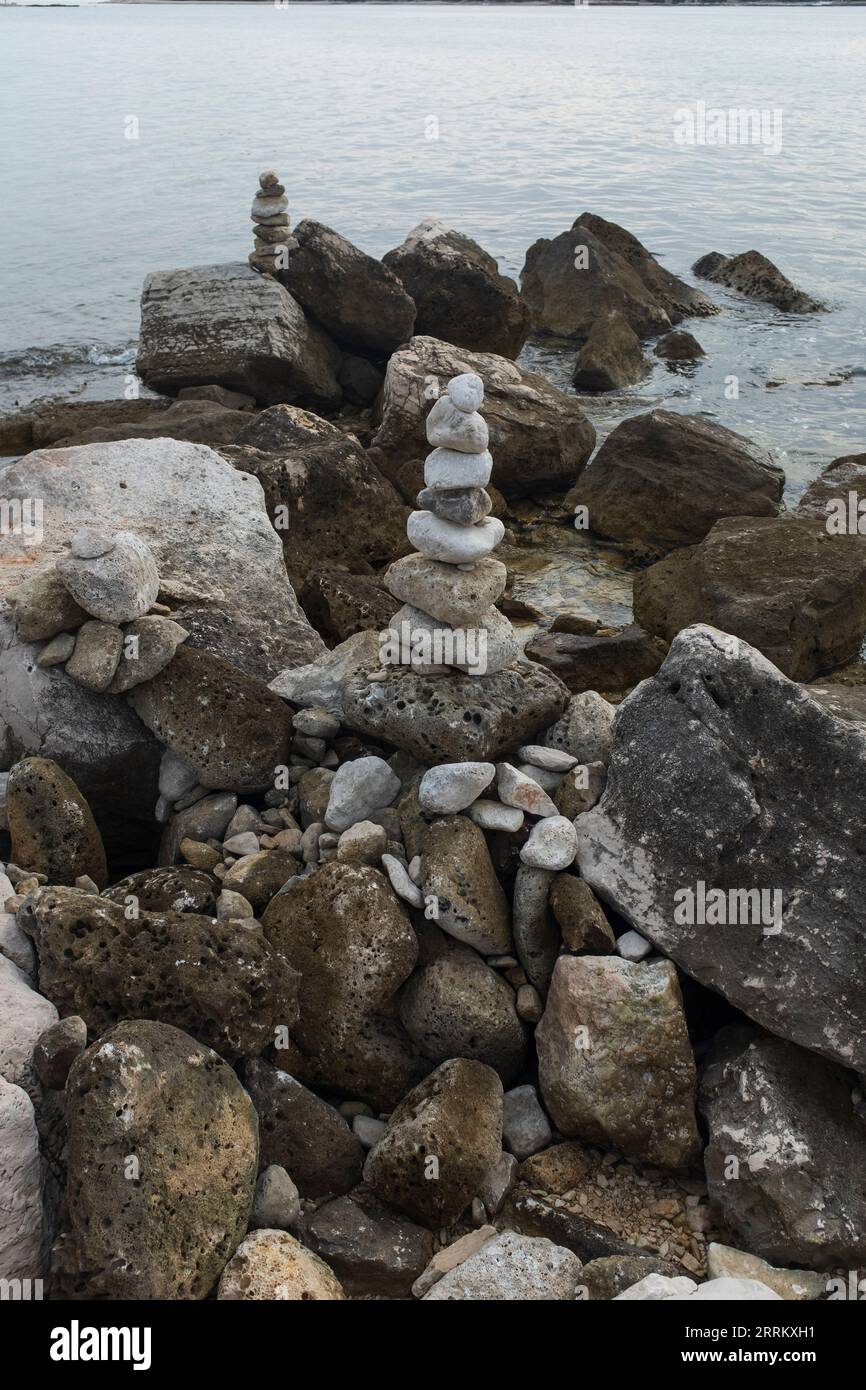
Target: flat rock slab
x=726, y=774
x=455, y=718
x=227, y=324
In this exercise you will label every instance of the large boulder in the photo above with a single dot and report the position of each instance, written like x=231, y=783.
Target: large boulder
x=222, y=981
x=52, y=827
x=355, y=298
x=458, y=291
x=230, y=728
x=163, y=1154
x=783, y=584
x=369, y=1247
x=664, y=479
x=457, y=874
x=786, y=1151
x=539, y=436
x=614, y=1060
x=455, y=718
x=610, y=660
x=755, y=276
x=597, y=268
x=226, y=324
x=344, y=930
x=339, y=508
x=726, y=776
x=611, y=357
x=220, y=561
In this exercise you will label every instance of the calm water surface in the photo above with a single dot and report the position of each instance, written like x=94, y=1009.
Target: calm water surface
x=541, y=113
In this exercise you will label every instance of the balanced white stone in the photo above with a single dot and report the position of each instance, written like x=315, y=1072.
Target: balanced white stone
x=449, y=587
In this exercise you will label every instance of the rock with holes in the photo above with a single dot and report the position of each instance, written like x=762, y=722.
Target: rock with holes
x=730, y=836
x=52, y=827
x=346, y=933
x=457, y=871
x=228, y=726
x=221, y=981
x=446, y=718
x=271, y=1266
x=22, y=1254
x=755, y=276
x=440, y=1142
x=511, y=1268
x=163, y=1154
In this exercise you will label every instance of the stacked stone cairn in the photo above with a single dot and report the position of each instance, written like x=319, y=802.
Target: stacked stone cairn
x=449, y=587
x=270, y=215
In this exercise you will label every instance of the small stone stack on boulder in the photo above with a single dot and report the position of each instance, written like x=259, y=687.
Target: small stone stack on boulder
x=450, y=584
x=270, y=215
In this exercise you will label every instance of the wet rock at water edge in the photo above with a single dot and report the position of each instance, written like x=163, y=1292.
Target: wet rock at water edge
x=755, y=276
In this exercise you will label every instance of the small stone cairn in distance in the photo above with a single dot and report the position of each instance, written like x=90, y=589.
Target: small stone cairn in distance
x=450, y=585
x=270, y=215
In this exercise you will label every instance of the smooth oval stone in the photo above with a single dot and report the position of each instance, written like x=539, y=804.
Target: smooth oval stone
x=453, y=545
x=463, y=506
x=451, y=787
x=466, y=392
x=492, y=815
x=449, y=468
x=552, y=844
x=268, y=207
x=450, y=428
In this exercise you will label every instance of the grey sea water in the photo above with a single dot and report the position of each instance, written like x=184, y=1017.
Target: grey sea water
x=507, y=123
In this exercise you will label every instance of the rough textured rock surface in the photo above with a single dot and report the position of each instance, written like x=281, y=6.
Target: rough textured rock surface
x=340, y=604
x=451, y=719
x=458, y=291
x=21, y=1221
x=148, y=1092
x=226, y=324
x=440, y=1142
x=784, y=585
x=340, y=508
x=223, y=982
x=273, y=1266
x=755, y=276
x=512, y=1268
x=786, y=1151
x=304, y=1134
x=457, y=871
x=664, y=479
x=614, y=1058
x=181, y=889
x=597, y=268
x=228, y=726
x=724, y=772
x=347, y=934
x=52, y=827
x=355, y=298
x=220, y=562
x=454, y=1005
x=539, y=436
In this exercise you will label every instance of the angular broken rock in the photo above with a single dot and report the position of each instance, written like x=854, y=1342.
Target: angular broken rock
x=755, y=276
x=453, y=596
x=725, y=774
x=786, y=1151
x=371, y=1249
x=511, y=1268
x=229, y=325
x=440, y=1142
x=451, y=787
x=614, y=1060
x=458, y=874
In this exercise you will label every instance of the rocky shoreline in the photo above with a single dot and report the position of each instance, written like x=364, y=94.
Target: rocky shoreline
x=365, y=931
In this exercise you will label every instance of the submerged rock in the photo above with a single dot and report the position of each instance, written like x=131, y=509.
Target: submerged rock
x=726, y=778
x=755, y=276
x=611, y=357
